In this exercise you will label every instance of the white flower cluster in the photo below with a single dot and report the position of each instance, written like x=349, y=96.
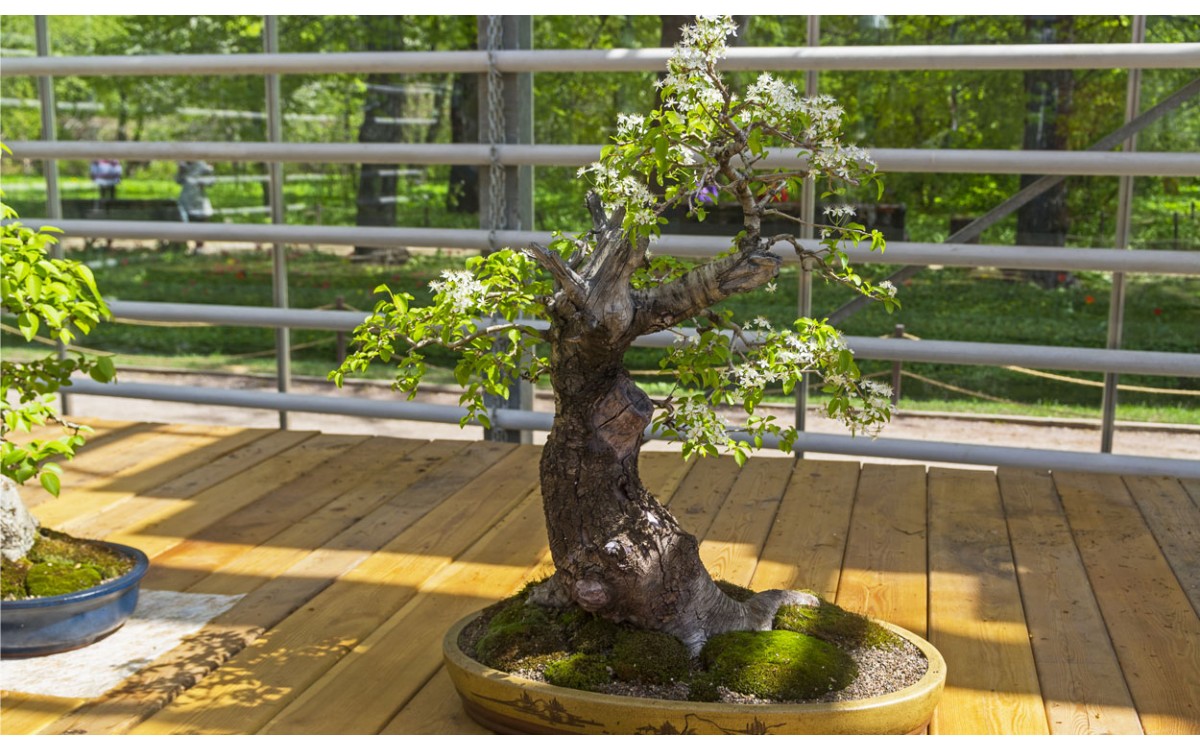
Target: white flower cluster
x=887, y=288
x=461, y=288
x=839, y=213
x=699, y=423
x=702, y=45
x=836, y=160
x=617, y=190
x=629, y=126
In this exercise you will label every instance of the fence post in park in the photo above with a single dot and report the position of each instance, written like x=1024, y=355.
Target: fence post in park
x=1116, y=301
x=898, y=333
x=506, y=192
x=279, y=275
x=340, y=304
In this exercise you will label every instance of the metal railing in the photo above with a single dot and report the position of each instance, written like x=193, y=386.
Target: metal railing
x=271, y=64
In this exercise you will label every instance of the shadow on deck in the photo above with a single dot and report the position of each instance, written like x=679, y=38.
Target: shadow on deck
x=1063, y=603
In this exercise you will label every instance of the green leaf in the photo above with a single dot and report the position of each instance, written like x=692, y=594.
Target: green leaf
x=103, y=371
x=51, y=482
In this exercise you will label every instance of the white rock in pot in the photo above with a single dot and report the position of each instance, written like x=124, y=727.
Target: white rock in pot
x=18, y=528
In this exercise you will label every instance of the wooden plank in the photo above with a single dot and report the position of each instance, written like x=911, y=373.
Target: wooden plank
x=702, y=493
x=1192, y=487
x=884, y=572
x=274, y=513
x=96, y=463
x=91, y=509
x=975, y=615
x=732, y=544
x=1175, y=521
x=186, y=518
x=416, y=486
x=436, y=709
x=1153, y=627
x=1081, y=681
x=163, y=500
x=808, y=539
x=435, y=706
x=290, y=657
x=22, y=714
x=347, y=699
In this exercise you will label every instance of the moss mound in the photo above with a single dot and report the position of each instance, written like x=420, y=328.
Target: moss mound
x=802, y=659
x=521, y=636
x=653, y=658
x=60, y=564
x=830, y=622
x=579, y=671
x=777, y=664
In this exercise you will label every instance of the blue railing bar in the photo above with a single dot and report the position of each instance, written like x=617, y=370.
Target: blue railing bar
x=1183, y=262
x=891, y=160
x=943, y=352
x=917, y=450
x=876, y=58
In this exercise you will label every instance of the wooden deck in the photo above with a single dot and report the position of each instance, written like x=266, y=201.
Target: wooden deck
x=1062, y=604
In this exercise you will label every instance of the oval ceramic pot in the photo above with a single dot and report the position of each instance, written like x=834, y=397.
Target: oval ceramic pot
x=50, y=624
x=509, y=704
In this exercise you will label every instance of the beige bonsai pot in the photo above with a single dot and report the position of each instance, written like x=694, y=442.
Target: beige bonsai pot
x=509, y=704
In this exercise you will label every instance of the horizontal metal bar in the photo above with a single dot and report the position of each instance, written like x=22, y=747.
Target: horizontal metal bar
x=1175, y=364
x=893, y=160
x=943, y=352
x=237, y=315
x=909, y=57
x=1184, y=262
x=992, y=455
x=916, y=450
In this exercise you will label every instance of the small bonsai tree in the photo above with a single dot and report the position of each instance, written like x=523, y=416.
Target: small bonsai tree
x=617, y=551
x=58, y=298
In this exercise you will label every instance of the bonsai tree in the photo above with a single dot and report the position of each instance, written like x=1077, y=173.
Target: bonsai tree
x=618, y=553
x=57, y=298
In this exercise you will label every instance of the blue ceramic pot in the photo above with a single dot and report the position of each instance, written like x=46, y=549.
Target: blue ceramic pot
x=50, y=624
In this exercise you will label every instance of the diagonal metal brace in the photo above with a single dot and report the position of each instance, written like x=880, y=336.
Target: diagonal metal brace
x=1033, y=190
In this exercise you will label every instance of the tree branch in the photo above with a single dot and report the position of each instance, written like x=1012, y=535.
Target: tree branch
x=567, y=280
x=689, y=295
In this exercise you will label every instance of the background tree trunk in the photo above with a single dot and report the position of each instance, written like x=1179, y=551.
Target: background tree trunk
x=1048, y=94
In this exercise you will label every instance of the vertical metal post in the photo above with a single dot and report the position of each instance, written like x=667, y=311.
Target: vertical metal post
x=45, y=87
x=506, y=195
x=808, y=212
x=897, y=375
x=1116, y=305
x=279, y=277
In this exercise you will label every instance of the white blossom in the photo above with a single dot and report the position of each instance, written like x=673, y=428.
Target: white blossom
x=464, y=291
x=838, y=213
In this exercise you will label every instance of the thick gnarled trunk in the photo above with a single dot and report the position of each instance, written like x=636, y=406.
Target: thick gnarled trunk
x=618, y=552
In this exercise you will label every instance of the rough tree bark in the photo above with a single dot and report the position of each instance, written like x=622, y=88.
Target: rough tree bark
x=618, y=552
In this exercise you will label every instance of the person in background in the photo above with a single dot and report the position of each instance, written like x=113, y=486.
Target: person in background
x=107, y=173
x=194, y=177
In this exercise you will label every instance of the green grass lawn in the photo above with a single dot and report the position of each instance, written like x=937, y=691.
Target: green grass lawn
x=1163, y=314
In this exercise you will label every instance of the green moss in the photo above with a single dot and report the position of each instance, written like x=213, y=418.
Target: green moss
x=12, y=579
x=579, y=671
x=57, y=547
x=734, y=591
x=777, y=664
x=60, y=564
x=655, y=658
x=53, y=579
x=594, y=635
x=520, y=635
x=830, y=622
